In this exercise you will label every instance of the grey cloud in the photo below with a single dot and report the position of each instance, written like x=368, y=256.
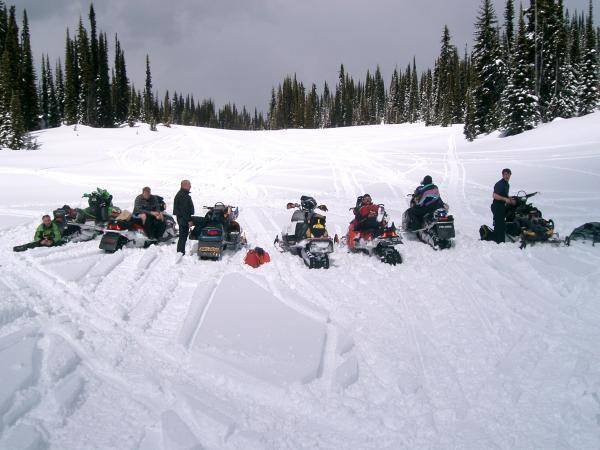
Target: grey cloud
x=236, y=50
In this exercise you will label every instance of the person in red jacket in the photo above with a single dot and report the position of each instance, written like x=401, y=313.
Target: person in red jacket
x=365, y=213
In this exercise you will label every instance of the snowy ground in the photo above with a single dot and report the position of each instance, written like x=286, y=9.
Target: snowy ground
x=482, y=346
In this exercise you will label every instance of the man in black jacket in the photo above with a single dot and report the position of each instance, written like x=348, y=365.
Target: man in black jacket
x=183, y=208
x=501, y=199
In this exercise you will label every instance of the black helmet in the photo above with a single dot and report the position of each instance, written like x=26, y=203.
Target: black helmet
x=427, y=180
x=308, y=203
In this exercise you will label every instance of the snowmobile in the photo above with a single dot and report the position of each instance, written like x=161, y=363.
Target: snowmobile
x=307, y=235
x=436, y=228
x=217, y=231
x=70, y=230
x=126, y=230
x=524, y=223
x=374, y=235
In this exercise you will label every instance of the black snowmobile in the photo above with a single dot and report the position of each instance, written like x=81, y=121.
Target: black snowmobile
x=217, y=231
x=524, y=223
x=307, y=235
x=126, y=230
x=436, y=228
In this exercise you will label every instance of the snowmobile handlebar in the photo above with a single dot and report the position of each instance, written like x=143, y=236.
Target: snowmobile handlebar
x=524, y=195
x=291, y=205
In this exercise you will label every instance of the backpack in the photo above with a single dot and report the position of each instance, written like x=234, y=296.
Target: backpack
x=256, y=257
x=586, y=232
x=486, y=233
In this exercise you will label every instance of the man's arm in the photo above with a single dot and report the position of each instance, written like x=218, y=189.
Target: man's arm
x=38, y=233
x=137, y=206
x=56, y=233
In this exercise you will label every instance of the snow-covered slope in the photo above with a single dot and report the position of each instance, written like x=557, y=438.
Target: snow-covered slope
x=481, y=346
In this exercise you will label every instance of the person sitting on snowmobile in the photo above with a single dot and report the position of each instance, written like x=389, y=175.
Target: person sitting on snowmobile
x=147, y=204
x=147, y=209
x=47, y=234
x=426, y=199
x=365, y=214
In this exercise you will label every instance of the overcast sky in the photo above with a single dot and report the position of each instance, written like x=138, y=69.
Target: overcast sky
x=236, y=50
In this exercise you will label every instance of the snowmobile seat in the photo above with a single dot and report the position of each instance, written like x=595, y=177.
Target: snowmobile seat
x=300, y=231
x=233, y=227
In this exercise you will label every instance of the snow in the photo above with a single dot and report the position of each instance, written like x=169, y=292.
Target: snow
x=480, y=346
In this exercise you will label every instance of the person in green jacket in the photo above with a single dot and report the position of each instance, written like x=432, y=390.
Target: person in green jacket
x=47, y=234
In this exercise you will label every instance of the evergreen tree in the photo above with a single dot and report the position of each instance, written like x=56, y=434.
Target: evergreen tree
x=392, y=111
x=96, y=106
x=28, y=91
x=6, y=91
x=311, y=109
x=17, y=139
x=509, y=29
x=379, y=96
x=72, y=82
x=53, y=108
x=445, y=82
x=326, y=107
x=470, y=131
x=521, y=111
x=427, y=99
x=413, y=97
x=588, y=97
x=489, y=73
x=564, y=86
x=13, y=50
x=44, y=95
x=167, y=115
x=3, y=25
x=273, y=111
x=60, y=90
x=86, y=100
x=104, y=110
x=148, y=100
x=120, y=84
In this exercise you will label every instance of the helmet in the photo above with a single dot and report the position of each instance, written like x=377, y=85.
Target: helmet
x=427, y=180
x=308, y=203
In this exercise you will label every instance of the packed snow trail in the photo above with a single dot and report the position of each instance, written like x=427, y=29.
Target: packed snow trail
x=480, y=346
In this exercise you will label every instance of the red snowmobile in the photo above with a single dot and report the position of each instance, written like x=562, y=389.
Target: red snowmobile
x=371, y=233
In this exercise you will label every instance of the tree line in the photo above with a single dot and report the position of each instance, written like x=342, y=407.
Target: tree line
x=540, y=64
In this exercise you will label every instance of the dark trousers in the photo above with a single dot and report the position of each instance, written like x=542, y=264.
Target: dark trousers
x=499, y=213
x=184, y=231
x=154, y=227
x=36, y=244
x=416, y=213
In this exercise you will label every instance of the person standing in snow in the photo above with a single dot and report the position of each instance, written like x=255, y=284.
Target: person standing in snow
x=183, y=208
x=501, y=199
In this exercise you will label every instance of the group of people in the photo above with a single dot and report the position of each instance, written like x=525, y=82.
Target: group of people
x=148, y=208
